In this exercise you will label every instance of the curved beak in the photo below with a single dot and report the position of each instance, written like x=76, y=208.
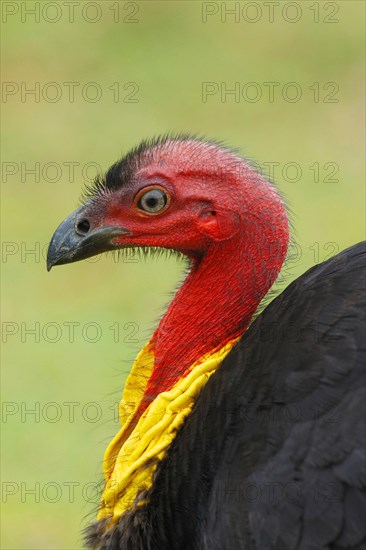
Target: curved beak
x=75, y=240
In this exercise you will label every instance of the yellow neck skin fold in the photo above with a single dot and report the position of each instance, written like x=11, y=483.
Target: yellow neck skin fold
x=132, y=456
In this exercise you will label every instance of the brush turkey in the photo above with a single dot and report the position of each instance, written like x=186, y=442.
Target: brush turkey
x=239, y=430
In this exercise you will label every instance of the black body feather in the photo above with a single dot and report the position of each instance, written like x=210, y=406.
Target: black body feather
x=273, y=456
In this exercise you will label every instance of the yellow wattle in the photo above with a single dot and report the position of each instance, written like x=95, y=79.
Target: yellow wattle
x=131, y=458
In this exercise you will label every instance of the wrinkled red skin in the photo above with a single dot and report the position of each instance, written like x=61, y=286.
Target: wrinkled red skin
x=232, y=225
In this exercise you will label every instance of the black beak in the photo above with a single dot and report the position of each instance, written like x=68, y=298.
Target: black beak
x=75, y=239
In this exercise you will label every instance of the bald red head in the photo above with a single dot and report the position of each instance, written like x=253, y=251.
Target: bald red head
x=205, y=201
x=207, y=194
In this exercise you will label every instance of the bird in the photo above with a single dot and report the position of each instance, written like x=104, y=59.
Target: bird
x=243, y=425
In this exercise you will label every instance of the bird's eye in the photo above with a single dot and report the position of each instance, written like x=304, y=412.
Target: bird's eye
x=153, y=201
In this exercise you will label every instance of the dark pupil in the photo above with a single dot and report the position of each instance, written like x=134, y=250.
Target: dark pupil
x=151, y=202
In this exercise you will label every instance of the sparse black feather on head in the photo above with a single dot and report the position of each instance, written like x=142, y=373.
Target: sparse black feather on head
x=93, y=189
x=123, y=170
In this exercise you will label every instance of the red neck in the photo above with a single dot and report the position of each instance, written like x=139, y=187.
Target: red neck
x=218, y=298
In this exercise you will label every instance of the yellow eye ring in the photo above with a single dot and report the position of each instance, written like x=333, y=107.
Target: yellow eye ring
x=152, y=200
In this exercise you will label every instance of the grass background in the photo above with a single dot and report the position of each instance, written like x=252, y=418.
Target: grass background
x=167, y=53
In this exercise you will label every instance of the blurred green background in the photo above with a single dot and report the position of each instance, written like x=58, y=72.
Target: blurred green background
x=91, y=318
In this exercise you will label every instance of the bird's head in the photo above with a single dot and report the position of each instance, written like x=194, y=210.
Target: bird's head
x=179, y=193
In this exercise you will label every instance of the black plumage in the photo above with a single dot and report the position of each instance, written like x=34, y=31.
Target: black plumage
x=273, y=456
